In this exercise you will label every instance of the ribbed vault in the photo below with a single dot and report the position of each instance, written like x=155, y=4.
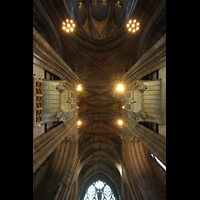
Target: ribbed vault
x=99, y=135
x=59, y=168
x=100, y=60
x=97, y=160
x=100, y=52
x=142, y=171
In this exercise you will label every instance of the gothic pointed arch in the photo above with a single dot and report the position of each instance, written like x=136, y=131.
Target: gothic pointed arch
x=99, y=186
x=99, y=54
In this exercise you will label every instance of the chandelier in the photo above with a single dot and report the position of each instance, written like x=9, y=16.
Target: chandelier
x=68, y=26
x=132, y=26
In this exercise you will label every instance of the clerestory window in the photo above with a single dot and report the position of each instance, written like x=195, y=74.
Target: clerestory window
x=99, y=190
x=159, y=162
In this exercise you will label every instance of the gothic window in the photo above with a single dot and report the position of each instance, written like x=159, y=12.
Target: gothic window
x=159, y=162
x=99, y=190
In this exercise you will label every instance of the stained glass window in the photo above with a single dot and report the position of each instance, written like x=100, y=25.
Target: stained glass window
x=99, y=190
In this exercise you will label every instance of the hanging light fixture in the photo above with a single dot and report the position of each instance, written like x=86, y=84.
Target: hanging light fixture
x=120, y=88
x=68, y=25
x=79, y=87
x=132, y=26
x=79, y=123
x=120, y=122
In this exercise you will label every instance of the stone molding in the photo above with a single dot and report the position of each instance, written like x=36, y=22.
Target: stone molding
x=47, y=58
x=46, y=143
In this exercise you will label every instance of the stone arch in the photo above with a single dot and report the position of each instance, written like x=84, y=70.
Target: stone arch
x=104, y=155
x=100, y=175
x=152, y=33
x=99, y=157
x=115, y=151
x=71, y=169
x=63, y=161
x=138, y=166
x=130, y=176
x=103, y=140
x=56, y=171
x=46, y=28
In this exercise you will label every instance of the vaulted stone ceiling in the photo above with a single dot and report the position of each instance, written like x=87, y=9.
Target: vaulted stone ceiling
x=94, y=59
x=100, y=51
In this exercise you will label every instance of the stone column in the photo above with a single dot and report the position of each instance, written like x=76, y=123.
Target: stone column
x=152, y=60
x=69, y=181
x=46, y=143
x=47, y=58
x=154, y=142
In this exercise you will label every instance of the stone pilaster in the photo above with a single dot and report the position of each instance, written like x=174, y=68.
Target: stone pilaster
x=154, y=142
x=46, y=143
x=152, y=60
x=47, y=58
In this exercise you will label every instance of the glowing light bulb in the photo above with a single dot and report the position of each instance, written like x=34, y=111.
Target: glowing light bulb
x=129, y=29
x=133, y=30
x=128, y=25
x=120, y=87
x=79, y=87
x=130, y=21
x=137, y=28
x=133, y=25
x=79, y=123
x=68, y=25
x=137, y=24
x=134, y=21
x=120, y=122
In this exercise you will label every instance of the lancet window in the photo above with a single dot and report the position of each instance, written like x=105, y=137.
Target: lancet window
x=99, y=190
x=159, y=162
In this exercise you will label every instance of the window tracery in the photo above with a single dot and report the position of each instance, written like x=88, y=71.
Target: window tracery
x=99, y=190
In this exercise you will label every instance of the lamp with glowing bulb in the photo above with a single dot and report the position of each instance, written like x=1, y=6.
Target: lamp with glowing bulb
x=79, y=123
x=79, y=88
x=68, y=26
x=132, y=26
x=120, y=88
x=120, y=122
